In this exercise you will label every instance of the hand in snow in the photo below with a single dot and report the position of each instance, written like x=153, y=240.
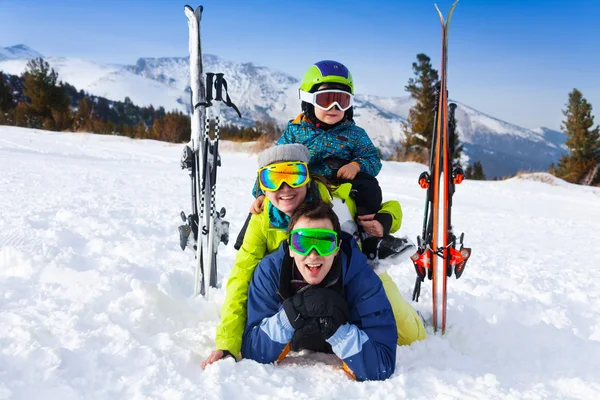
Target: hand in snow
x=371, y=226
x=257, y=205
x=215, y=356
x=348, y=171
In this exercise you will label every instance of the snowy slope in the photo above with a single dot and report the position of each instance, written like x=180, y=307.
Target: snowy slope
x=555, y=137
x=262, y=93
x=95, y=290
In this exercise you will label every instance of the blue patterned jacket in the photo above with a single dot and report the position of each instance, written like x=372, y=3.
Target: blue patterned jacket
x=347, y=141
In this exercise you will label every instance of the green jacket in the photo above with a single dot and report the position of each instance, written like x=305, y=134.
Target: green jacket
x=262, y=238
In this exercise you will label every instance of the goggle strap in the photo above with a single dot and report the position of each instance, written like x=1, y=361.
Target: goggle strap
x=306, y=96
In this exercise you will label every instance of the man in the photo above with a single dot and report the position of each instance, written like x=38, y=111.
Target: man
x=317, y=292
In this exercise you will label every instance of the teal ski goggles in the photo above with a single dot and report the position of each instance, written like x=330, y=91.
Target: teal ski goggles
x=323, y=241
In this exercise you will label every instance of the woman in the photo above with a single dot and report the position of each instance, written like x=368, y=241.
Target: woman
x=284, y=177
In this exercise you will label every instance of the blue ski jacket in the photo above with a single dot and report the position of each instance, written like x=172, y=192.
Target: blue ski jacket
x=367, y=344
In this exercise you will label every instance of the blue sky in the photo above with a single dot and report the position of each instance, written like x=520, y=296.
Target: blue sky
x=516, y=60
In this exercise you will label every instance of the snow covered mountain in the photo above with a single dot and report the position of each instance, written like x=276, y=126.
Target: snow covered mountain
x=504, y=148
x=262, y=93
x=19, y=51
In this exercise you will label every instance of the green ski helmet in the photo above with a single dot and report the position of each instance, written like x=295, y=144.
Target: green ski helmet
x=326, y=71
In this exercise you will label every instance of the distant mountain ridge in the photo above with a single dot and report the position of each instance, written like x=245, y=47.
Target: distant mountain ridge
x=262, y=93
x=19, y=51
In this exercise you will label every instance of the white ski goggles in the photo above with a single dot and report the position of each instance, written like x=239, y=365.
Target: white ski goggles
x=327, y=99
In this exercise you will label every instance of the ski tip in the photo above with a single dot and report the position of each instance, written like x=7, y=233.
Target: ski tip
x=190, y=11
x=440, y=14
x=452, y=10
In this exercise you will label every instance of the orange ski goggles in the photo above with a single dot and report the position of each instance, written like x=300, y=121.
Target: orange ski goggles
x=293, y=173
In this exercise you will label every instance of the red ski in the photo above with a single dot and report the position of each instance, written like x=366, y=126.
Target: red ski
x=438, y=252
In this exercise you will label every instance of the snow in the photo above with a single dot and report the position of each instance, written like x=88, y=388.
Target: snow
x=95, y=291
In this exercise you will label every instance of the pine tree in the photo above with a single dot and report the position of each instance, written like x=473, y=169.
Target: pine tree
x=469, y=171
x=174, y=127
x=582, y=141
x=6, y=97
x=421, y=118
x=102, y=109
x=140, y=131
x=475, y=172
x=45, y=95
x=7, y=104
x=83, y=118
x=478, y=173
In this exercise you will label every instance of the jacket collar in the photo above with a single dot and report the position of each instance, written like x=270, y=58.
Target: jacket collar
x=302, y=119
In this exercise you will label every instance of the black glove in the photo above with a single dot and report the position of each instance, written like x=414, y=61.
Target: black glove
x=316, y=329
x=324, y=302
x=328, y=326
x=327, y=307
x=294, y=309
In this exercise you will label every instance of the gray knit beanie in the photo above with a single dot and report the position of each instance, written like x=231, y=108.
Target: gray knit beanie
x=283, y=152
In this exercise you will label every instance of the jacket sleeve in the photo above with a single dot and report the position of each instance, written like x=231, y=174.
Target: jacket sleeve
x=394, y=209
x=367, y=344
x=268, y=329
x=366, y=154
x=233, y=312
x=391, y=207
